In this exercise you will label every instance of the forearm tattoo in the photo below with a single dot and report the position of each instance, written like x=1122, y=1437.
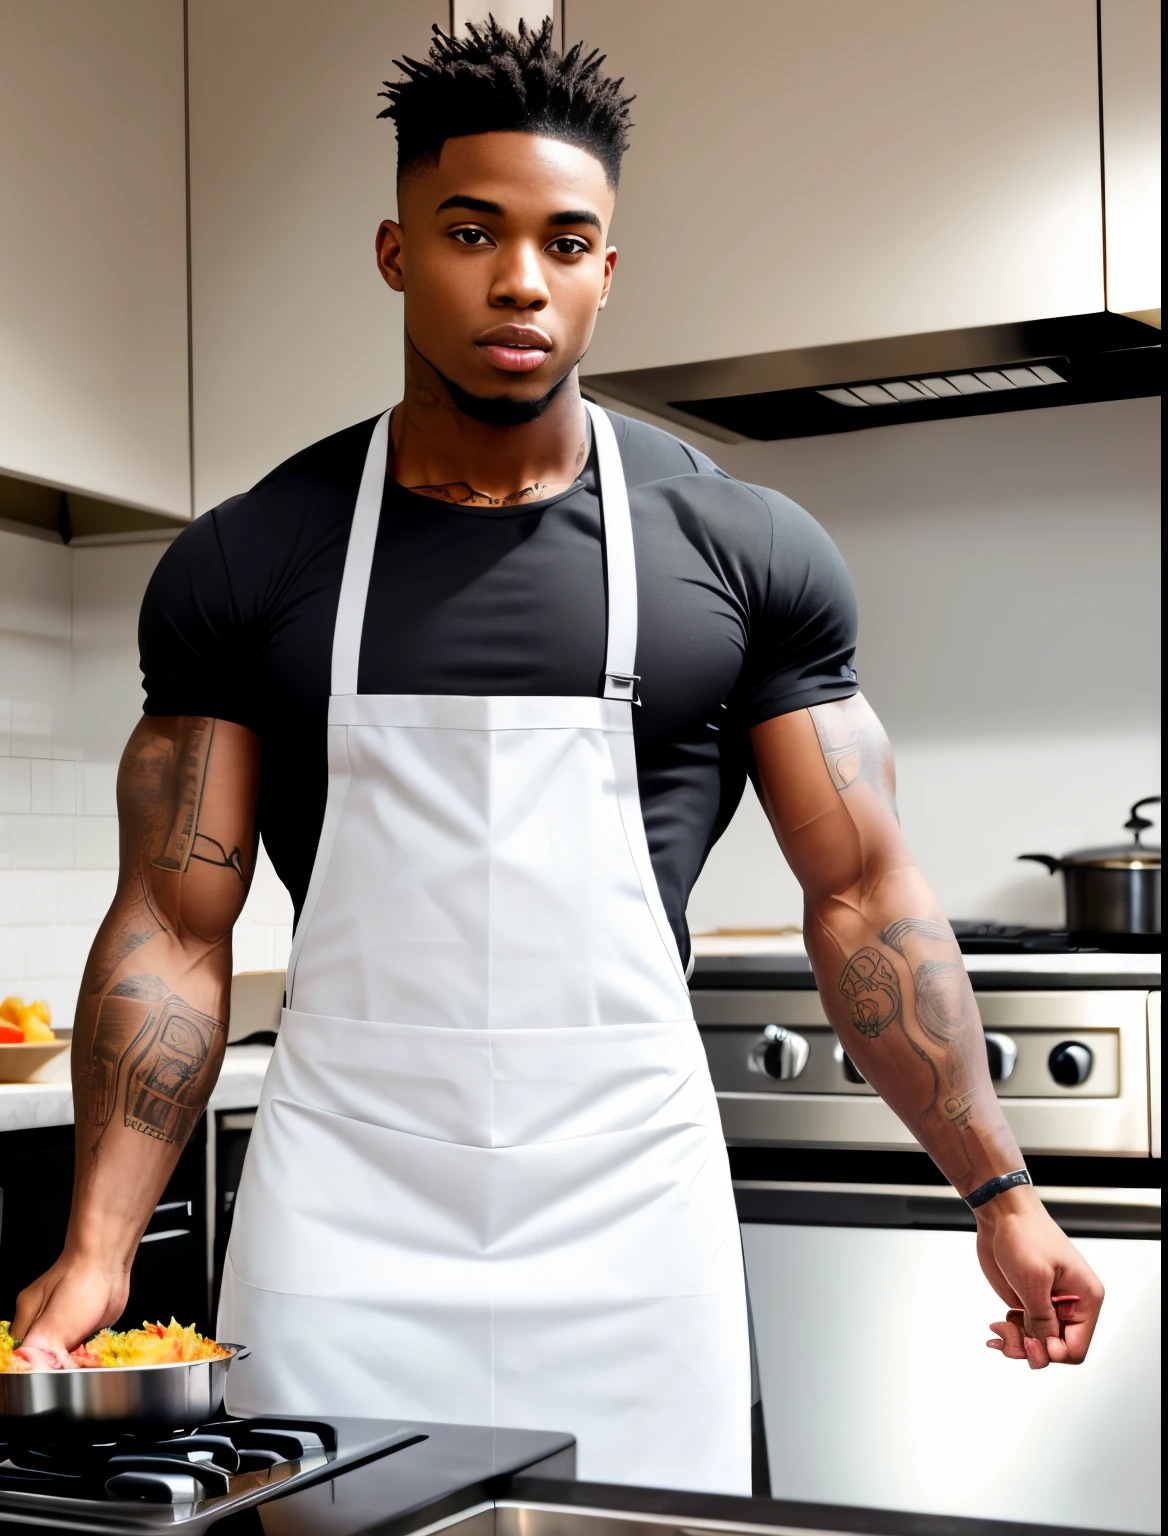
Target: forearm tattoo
x=151, y=1051
x=942, y=1009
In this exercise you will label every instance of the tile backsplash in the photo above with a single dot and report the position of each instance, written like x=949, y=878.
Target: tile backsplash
x=70, y=692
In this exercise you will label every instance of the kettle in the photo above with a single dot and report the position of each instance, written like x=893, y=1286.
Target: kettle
x=1112, y=890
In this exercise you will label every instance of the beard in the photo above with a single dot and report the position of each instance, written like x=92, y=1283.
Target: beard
x=501, y=410
x=496, y=410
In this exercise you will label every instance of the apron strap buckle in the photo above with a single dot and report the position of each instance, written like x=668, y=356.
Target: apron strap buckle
x=622, y=685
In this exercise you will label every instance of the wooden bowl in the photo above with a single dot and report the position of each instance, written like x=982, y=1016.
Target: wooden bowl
x=19, y=1062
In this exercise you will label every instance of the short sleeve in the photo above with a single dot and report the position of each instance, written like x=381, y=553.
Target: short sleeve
x=802, y=645
x=190, y=642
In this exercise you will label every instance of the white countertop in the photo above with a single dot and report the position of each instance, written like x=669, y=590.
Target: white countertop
x=48, y=1100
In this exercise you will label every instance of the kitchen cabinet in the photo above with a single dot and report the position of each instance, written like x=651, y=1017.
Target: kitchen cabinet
x=811, y=172
x=295, y=334
x=1129, y=47
x=93, y=263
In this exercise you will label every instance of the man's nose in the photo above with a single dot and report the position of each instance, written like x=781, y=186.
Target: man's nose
x=519, y=281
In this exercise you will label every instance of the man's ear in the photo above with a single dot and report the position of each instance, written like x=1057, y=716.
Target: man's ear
x=609, y=265
x=390, y=239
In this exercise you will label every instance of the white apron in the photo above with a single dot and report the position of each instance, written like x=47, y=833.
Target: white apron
x=487, y=1182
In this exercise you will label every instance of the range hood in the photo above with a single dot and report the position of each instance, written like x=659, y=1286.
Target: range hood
x=1067, y=360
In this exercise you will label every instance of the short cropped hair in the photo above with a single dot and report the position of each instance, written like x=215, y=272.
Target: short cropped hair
x=493, y=81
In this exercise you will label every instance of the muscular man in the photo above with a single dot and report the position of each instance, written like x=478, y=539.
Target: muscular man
x=488, y=675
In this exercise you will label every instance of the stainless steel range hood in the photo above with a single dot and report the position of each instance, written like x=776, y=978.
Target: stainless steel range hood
x=1068, y=360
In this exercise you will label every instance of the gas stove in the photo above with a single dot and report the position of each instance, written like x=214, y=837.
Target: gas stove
x=978, y=938
x=224, y=1476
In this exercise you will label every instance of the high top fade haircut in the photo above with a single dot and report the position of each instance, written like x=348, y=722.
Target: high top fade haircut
x=493, y=81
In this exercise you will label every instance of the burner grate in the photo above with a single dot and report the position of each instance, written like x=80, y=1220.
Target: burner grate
x=173, y=1469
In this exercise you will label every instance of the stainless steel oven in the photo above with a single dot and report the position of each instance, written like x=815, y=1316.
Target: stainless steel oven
x=869, y=1308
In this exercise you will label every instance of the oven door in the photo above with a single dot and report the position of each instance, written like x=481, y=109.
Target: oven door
x=870, y=1314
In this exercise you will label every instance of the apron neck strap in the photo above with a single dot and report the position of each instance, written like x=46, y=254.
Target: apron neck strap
x=620, y=680
x=620, y=566
x=359, y=562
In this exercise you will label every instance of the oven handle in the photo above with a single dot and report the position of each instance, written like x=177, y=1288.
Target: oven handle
x=1123, y=1213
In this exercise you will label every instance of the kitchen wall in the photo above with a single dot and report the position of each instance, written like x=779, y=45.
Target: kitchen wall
x=1008, y=573
x=69, y=696
x=1008, y=576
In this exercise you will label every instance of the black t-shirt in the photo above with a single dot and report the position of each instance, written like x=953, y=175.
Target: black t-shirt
x=746, y=612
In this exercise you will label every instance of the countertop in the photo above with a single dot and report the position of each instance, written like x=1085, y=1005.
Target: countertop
x=48, y=1100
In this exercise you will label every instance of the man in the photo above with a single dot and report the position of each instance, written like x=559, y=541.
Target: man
x=488, y=674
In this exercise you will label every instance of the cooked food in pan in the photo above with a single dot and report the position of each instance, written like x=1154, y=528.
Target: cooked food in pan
x=152, y=1344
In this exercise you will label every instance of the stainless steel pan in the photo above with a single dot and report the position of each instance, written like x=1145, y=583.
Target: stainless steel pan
x=178, y=1396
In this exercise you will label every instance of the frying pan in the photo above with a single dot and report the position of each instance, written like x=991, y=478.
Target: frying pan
x=175, y=1396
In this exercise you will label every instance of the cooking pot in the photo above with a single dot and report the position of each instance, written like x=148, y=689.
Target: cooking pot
x=1112, y=890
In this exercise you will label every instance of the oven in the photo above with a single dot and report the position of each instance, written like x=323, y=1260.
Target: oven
x=869, y=1308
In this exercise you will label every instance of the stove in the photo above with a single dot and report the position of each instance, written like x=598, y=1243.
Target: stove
x=977, y=938
x=1072, y=1028
x=223, y=1476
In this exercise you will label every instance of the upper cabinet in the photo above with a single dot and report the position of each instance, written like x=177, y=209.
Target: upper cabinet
x=295, y=334
x=812, y=172
x=1129, y=44
x=93, y=258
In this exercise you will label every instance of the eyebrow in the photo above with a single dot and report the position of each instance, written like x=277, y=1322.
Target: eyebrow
x=482, y=205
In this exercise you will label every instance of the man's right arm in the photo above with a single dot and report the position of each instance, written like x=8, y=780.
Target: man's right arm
x=152, y=1013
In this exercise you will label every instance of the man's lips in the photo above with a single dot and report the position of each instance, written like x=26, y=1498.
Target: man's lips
x=516, y=348
x=514, y=359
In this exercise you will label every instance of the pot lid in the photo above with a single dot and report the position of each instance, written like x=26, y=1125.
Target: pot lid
x=1134, y=855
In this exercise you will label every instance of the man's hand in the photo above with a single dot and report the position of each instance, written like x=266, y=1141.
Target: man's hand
x=69, y=1303
x=1052, y=1292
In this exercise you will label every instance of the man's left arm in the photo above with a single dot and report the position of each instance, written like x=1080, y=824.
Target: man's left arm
x=892, y=981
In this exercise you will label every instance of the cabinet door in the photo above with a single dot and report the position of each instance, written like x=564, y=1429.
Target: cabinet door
x=804, y=172
x=295, y=335
x=1129, y=42
x=93, y=259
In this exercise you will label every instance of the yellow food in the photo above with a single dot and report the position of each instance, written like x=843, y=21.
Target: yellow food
x=7, y=1344
x=152, y=1344
x=32, y=1019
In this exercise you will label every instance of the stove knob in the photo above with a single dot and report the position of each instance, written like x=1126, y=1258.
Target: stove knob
x=851, y=1071
x=1070, y=1063
x=786, y=1052
x=1002, y=1054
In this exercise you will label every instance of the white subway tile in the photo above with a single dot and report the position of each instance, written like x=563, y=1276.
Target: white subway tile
x=281, y=945
x=98, y=789
x=40, y=772
x=66, y=753
x=251, y=947
x=26, y=897
x=42, y=842
x=11, y=959
x=60, y=992
x=64, y=788
x=96, y=842
x=15, y=784
x=57, y=952
x=84, y=895
x=31, y=718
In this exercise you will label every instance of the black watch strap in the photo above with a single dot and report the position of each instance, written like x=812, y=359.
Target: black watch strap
x=995, y=1186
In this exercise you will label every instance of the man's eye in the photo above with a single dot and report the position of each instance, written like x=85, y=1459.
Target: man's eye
x=471, y=237
x=567, y=245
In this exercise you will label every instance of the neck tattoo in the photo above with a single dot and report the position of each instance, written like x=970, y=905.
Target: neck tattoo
x=462, y=494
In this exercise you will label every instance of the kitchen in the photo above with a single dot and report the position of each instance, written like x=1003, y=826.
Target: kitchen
x=1047, y=518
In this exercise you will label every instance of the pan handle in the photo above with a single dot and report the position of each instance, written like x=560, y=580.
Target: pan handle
x=1053, y=864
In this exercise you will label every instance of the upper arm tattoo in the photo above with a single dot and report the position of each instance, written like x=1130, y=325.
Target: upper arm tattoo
x=152, y=1054
x=855, y=746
